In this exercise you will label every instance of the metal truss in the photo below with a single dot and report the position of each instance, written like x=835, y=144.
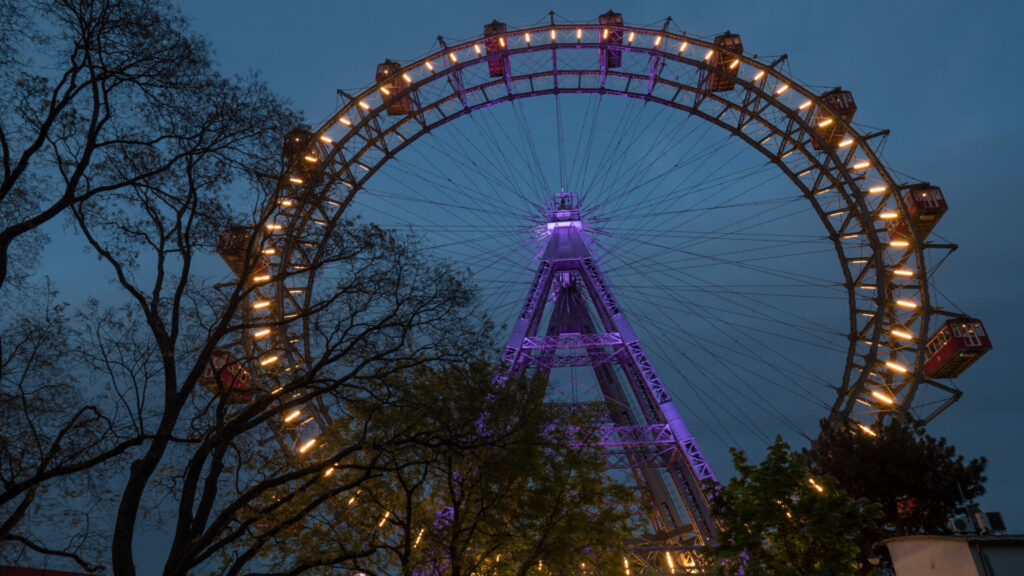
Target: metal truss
x=848, y=187
x=646, y=432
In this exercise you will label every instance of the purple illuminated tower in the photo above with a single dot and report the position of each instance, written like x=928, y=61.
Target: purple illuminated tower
x=642, y=430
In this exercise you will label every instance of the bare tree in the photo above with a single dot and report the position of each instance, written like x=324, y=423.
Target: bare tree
x=108, y=413
x=94, y=97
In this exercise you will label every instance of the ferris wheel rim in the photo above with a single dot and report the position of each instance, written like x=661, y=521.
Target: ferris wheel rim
x=370, y=106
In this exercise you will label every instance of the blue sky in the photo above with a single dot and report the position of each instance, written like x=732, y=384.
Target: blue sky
x=944, y=77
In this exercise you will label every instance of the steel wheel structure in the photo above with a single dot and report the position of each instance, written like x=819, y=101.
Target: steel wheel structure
x=879, y=288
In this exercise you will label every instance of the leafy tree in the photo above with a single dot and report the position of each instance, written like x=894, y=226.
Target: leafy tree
x=777, y=519
x=918, y=481
x=480, y=483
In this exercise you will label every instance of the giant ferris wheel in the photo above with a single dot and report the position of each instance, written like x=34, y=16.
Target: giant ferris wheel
x=670, y=228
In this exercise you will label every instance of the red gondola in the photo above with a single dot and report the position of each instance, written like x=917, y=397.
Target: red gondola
x=494, y=42
x=954, y=347
x=226, y=377
x=612, y=33
x=925, y=206
x=839, y=105
x=232, y=245
x=726, y=60
x=393, y=84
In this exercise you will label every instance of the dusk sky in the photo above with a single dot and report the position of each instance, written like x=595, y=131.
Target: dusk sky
x=943, y=77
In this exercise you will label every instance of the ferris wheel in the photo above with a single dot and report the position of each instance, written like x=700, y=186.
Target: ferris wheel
x=773, y=267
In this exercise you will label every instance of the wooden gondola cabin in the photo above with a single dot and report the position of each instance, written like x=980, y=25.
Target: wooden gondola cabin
x=611, y=33
x=494, y=42
x=392, y=84
x=954, y=347
x=831, y=119
x=227, y=378
x=724, y=61
x=232, y=246
x=925, y=206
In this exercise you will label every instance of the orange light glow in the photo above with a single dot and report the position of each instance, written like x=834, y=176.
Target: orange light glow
x=882, y=397
x=897, y=367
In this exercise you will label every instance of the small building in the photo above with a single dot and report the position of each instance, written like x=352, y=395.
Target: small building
x=957, y=555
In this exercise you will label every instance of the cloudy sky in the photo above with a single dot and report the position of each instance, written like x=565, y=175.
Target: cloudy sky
x=942, y=76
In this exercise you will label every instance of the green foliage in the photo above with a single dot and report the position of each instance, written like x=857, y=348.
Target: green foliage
x=468, y=479
x=918, y=480
x=775, y=518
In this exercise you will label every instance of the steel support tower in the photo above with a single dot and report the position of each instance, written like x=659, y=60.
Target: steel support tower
x=640, y=429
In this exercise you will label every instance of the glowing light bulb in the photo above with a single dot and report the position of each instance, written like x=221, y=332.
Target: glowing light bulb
x=883, y=397
x=896, y=367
